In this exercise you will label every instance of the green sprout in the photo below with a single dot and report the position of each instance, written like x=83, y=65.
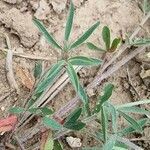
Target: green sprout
x=109, y=47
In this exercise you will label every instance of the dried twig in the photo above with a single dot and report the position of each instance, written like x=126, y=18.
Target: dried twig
x=48, y=95
x=28, y=56
x=9, y=67
x=128, y=143
x=131, y=83
x=9, y=71
x=19, y=142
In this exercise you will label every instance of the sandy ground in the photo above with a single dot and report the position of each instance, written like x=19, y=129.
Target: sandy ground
x=121, y=16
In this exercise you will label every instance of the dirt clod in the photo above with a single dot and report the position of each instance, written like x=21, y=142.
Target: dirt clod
x=21, y=25
x=42, y=10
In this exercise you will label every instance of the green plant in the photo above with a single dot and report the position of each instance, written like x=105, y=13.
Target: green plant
x=66, y=61
x=109, y=47
x=107, y=115
x=145, y=7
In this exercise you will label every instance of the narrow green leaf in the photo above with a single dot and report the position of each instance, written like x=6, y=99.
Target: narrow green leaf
x=140, y=102
x=106, y=37
x=84, y=98
x=99, y=136
x=91, y=46
x=85, y=36
x=146, y=7
x=135, y=125
x=51, y=123
x=115, y=44
x=78, y=125
x=38, y=70
x=16, y=110
x=45, y=33
x=73, y=76
x=57, y=145
x=120, y=145
x=140, y=41
x=46, y=111
x=114, y=116
x=130, y=129
x=33, y=99
x=134, y=109
x=35, y=111
x=107, y=93
x=51, y=75
x=73, y=116
x=105, y=97
x=49, y=145
x=119, y=148
x=69, y=21
x=42, y=110
x=104, y=123
x=84, y=61
x=110, y=143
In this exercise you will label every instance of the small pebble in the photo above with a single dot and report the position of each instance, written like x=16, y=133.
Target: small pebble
x=73, y=142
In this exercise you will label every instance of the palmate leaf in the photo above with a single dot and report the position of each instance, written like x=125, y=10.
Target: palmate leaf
x=104, y=122
x=69, y=21
x=51, y=123
x=49, y=78
x=134, y=123
x=106, y=37
x=73, y=76
x=45, y=33
x=80, y=40
x=84, y=61
x=91, y=46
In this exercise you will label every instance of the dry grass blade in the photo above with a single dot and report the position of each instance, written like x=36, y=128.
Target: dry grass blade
x=49, y=94
x=20, y=143
x=28, y=56
x=129, y=144
x=9, y=71
x=9, y=67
